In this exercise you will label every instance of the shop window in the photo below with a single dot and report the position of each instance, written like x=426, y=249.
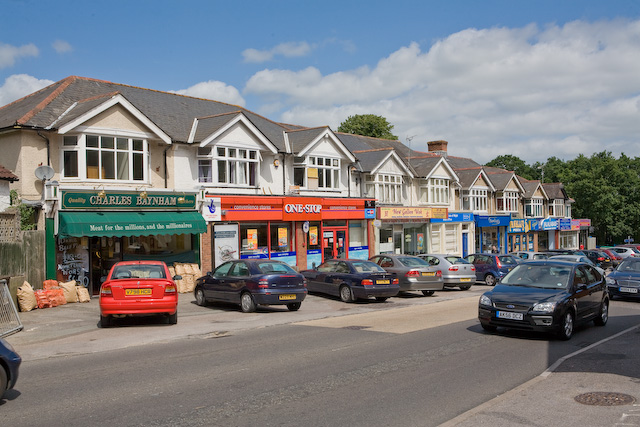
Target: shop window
x=100, y=157
x=357, y=233
x=313, y=239
x=281, y=237
x=253, y=240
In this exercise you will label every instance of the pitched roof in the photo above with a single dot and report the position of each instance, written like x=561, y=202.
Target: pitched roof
x=7, y=175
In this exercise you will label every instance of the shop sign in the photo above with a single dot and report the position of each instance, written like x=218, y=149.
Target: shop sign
x=301, y=209
x=455, y=217
x=575, y=225
x=225, y=243
x=517, y=226
x=533, y=225
x=132, y=200
x=550, y=224
x=212, y=209
x=388, y=213
x=493, y=221
x=584, y=223
x=564, y=224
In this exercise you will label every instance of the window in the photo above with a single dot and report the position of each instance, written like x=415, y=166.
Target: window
x=436, y=192
x=314, y=172
x=235, y=166
x=475, y=200
x=386, y=188
x=534, y=208
x=99, y=157
x=556, y=208
x=507, y=201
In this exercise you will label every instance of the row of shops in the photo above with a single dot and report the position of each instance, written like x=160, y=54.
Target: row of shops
x=89, y=231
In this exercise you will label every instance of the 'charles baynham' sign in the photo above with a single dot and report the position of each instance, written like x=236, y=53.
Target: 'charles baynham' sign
x=94, y=200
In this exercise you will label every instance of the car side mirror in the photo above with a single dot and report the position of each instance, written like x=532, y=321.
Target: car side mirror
x=177, y=277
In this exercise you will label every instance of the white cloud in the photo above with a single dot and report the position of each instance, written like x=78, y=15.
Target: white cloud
x=288, y=50
x=19, y=85
x=61, y=46
x=10, y=54
x=215, y=90
x=532, y=92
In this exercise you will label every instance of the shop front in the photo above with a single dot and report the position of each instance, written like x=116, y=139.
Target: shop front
x=524, y=235
x=491, y=233
x=300, y=231
x=458, y=229
x=406, y=230
x=91, y=231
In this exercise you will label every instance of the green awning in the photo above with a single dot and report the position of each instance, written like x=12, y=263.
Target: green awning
x=96, y=224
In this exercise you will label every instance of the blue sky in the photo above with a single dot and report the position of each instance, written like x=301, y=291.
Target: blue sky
x=533, y=79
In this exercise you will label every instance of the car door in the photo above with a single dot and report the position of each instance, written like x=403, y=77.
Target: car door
x=581, y=293
x=323, y=276
x=236, y=281
x=596, y=287
x=212, y=286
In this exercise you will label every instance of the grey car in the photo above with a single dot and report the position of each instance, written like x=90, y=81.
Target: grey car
x=414, y=274
x=456, y=271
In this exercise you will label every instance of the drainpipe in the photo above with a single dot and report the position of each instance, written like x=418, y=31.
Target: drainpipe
x=164, y=155
x=48, y=147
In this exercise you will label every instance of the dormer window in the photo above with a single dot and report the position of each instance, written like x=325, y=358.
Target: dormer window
x=315, y=172
x=233, y=166
x=387, y=188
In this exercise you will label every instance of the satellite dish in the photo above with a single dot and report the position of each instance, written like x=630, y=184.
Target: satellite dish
x=44, y=172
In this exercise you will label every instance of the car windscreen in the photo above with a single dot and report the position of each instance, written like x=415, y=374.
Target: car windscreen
x=457, y=260
x=507, y=259
x=367, y=267
x=270, y=267
x=410, y=261
x=629, y=265
x=547, y=276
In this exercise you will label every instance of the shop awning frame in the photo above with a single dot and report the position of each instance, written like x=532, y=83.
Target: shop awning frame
x=118, y=224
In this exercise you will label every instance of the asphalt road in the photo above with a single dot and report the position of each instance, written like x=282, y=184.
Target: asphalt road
x=415, y=363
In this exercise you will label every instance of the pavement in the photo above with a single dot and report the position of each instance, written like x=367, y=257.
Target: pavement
x=599, y=385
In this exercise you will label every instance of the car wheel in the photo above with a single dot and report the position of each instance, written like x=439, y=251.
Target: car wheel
x=105, y=321
x=4, y=380
x=603, y=314
x=428, y=293
x=345, y=293
x=247, y=304
x=566, y=326
x=200, y=299
x=489, y=328
x=172, y=319
x=294, y=306
x=490, y=279
x=465, y=287
x=382, y=299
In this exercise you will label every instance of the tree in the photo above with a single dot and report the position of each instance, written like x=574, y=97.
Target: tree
x=368, y=125
x=515, y=164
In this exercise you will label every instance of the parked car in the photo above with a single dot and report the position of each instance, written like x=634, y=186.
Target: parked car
x=456, y=271
x=527, y=255
x=599, y=258
x=613, y=256
x=492, y=267
x=139, y=288
x=624, y=280
x=413, y=273
x=552, y=252
x=626, y=251
x=352, y=279
x=546, y=295
x=252, y=282
x=578, y=258
x=9, y=366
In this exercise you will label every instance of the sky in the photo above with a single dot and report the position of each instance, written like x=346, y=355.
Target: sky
x=529, y=78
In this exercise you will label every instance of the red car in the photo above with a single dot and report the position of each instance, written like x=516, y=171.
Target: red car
x=135, y=288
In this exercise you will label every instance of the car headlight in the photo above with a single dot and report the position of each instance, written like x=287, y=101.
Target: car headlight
x=545, y=307
x=485, y=300
x=610, y=282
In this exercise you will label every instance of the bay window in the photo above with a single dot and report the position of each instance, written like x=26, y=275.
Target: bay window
x=534, y=208
x=507, y=201
x=234, y=166
x=314, y=172
x=435, y=191
x=475, y=200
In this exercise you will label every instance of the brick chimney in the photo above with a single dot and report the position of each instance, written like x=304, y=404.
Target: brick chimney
x=438, y=147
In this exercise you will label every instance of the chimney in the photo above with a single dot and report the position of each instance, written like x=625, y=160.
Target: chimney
x=438, y=147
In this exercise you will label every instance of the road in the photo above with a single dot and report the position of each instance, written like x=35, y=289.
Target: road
x=412, y=364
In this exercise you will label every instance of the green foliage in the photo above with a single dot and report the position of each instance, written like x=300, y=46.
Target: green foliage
x=27, y=220
x=368, y=125
x=605, y=189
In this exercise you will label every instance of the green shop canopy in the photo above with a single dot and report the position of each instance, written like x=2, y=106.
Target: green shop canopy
x=95, y=224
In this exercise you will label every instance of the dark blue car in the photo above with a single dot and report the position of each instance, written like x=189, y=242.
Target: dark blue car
x=252, y=282
x=352, y=280
x=490, y=268
x=624, y=281
x=9, y=364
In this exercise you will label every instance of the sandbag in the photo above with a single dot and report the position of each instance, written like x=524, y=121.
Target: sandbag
x=56, y=296
x=50, y=284
x=189, y=283
x=42, y=298
x=69, y=290
x=26, y=297
x=83, y=294
x=196, y=270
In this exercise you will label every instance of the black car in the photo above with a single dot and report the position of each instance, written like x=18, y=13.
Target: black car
x=599, y=258
x=352, y=280
x=9, y=366
x=624, y=281
x=548, y=296
x=252, y=282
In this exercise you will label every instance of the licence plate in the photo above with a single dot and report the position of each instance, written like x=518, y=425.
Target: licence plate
x=382, y=282
x=510, y=315
x=465, y=279
x=138, y=291
x=287, y=296
x=629, y=290
x=428, y=273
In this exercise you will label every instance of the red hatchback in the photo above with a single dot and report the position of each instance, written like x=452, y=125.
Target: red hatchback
x=135, y=288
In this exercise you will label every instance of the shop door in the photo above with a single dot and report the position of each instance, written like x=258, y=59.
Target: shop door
x=334, y=243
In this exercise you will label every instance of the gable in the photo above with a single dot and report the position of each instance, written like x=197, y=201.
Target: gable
x=239, y=135
x=391, y=166
x=538, y=193
x=480, y=182
x=325, y=146
x=115, y=118
x=441, y=172
x=512, y=186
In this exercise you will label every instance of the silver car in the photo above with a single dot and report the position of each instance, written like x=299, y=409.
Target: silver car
x=625, y=251
x=414, y=274
x=528, y=255
x=456, y=271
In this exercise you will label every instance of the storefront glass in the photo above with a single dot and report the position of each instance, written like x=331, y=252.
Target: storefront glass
x=254, y=240
x=314, y=247
x=358, y=248
x=282, y=242
x=415, y=239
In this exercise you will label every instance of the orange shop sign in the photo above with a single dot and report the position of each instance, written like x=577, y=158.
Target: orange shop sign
x=412, y=213
x=301, y=209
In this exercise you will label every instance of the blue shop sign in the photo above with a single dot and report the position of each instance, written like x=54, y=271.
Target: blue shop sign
x=493, y=221
x=533, y=224
x=517, y=226
x=565, y=224
x=549, y=224
x=455, y=217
